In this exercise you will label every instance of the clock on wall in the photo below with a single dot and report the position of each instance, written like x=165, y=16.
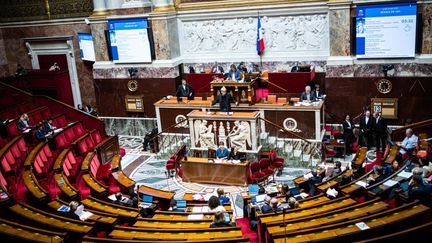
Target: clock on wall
x=132, y=85
x=384, y=86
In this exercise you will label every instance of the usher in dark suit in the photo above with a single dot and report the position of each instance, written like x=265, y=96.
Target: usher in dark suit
x=185, y=91
x=366, y=130
x=380, y=133
x=348, y=134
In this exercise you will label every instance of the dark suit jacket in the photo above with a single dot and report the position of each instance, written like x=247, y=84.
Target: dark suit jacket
x=367, y=127
x=348, y=128
x=318, y=95
x=304, y=96
x=21, y=125
x=40, y=135
x=380, y=126
x=216, y=68
x=184, y=92
x=224, y=102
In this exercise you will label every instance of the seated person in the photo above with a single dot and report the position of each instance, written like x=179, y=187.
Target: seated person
x=409, y=143
x=418, y=190
x=235, y=155
x=391, y=169
x=220, y=221
x=23, y=122
x=242, y=68
x=122, y=202
x=293, y=203
x=271, y=206
x=222, y=197
x=233, y=74
x=222, y=152
x=40, y=133
x=307, y=95
x=217, y=68
x=284, y=192
x=184, y=90
x=317, y=93
x=49, y=127
x=148, y=138
x=378, y=176
x=337, y=169
x=214, y=205
x=224, y=99
x=72, y=208
x=90, y=110
x=315, y=179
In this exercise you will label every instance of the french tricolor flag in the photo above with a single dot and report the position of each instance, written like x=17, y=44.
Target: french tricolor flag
x=260, y=39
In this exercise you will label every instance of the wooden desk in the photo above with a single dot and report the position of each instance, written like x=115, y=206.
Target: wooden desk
x=28, y=233
x=59, y=160
x=107, y=207
x=164, y=197
x=33, y=186
x=115, y=163
x=123, y=180
x=95, y=186
x=200, y=170
x=241, y=92
x=65, y=187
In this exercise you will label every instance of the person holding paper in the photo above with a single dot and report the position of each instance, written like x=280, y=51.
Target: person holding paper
x=222, y=152
x=23, y=122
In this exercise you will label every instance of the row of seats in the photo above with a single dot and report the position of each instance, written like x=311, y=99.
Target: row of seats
x=266, y=167
x=35, y=116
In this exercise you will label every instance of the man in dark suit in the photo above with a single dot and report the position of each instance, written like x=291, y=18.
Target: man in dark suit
x=217, y=68
x=380, y=131
x=367, y=124
x=348, y=133
x=40, y=134
x=224, y=100
x=318, y=93
x=184, y=90
x=307, y=95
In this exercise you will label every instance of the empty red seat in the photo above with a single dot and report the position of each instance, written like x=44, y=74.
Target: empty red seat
x=83, y=148
x=90, y=143
x=12, y=129
x=60, y=121
x=61, y=140
x=69, y=135
x=257, y=175
x=22, y=145
x=78, y=130
x=5, y=165
x=97, y=139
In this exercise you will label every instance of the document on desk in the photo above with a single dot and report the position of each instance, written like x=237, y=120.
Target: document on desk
x=390, y=183
x=362, y=184
x=362, y=225
x=195, y=216
x=405, y=174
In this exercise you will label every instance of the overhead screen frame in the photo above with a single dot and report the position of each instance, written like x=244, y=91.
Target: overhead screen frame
x=87, y=36
x=417, y=32
x=141, y=23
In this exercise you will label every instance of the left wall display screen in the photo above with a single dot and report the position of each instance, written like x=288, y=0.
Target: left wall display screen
x=86, y=46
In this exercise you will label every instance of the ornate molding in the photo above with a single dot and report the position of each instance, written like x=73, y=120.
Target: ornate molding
x=200, y=5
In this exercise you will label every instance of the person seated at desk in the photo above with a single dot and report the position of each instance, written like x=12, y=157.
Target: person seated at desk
x=318, y=94
x=234, y=73
x=271, y=206
x=242, y=68
x=418, y=190
x=222, y=152
x=222, y=197
x=48, y=126
x=307, y=95
x=284, y=192
x=148, y=138
x=214, y=205
x=173, y=207
x=379, y=175
x=315, y=179
x=184, y=90
x=72, y=208
x=393, y=168
x=220, y=221
x=23, y=122
x=293, y=203
x=122, y=201
x=40, y=133
x=235, y=155
x=217, y=68
x=224, y=100
x=408, y=144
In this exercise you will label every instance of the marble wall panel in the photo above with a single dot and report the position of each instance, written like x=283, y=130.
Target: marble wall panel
x=16, y=51
x=339, y=25
x=143, y=72
x=426, y=10
x=99, y=40
x=165, y=34
x=375, y=70
x=122, y=126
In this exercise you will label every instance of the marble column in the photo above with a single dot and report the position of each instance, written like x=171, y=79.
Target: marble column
x=99, y=40
x=165, y=33
x=163, y=5
x=99, y=5
x=113, y=4
x=426, y=10
x=135, y=3
x=339, y=24
x=4, y=68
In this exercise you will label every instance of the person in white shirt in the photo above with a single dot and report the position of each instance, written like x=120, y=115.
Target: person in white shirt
x=409, y=143
x=215, y=205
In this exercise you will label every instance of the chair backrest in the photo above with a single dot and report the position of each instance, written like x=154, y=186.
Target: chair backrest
x=90, y=143
x=82, y=147
x=96, y=137
x=264, y=164
x=66, y=171
x=78, y=130
x=37, y=168
x=3, y=181
x=5, y=165
x=10, y=158
x=70, y=135
x=47, y=151
x=61, y=140
x=15, y=151
x=254, y=167
x=71, y=158
x=271, y=98
x=12, y=129
x=22, y=145
x=211, y=153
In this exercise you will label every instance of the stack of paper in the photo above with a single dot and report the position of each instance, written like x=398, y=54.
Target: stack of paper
x=198, y=197
x=195, y=216
x=390, y=183
x=362, y=184
x=405, y=174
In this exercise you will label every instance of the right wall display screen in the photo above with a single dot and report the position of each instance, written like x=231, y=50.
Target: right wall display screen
x=386, y=30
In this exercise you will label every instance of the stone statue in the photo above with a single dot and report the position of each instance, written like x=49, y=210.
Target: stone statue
x=204, y=134
x=240, y=135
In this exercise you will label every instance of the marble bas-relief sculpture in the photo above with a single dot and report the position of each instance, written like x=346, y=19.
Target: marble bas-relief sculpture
x=284, y=33
x=240, y=135
x=204, y=135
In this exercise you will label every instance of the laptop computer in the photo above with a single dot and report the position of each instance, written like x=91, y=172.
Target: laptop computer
x=147, y=201
x=260, y=198
x=181, y=204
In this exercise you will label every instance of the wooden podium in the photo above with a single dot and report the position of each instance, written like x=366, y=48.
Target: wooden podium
x=242, y=92
x=240, y=129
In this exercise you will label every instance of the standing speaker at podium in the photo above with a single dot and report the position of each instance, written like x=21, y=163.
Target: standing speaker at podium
x=184, y=90
x=224, y=100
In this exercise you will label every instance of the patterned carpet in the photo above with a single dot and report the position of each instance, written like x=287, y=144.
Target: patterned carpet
x=146, y=169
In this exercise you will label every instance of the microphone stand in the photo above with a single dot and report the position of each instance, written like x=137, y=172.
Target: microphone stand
x=167, y=177
x=284, y=224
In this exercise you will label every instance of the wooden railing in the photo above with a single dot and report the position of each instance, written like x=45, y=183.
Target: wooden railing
x=418, y=127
